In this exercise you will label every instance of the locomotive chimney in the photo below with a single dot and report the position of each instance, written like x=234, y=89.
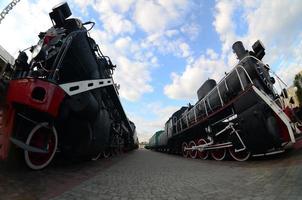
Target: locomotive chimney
x=239, y=50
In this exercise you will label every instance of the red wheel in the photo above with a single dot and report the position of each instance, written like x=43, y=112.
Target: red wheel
x=185, y=153
x=43, y=137
x=218, y=154
x=193, y=153
x=204, y=154
x=241, y=155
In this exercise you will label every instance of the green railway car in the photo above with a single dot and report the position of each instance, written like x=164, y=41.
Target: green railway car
x=154, y=140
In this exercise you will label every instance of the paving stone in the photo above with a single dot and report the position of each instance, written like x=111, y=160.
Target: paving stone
x=144, y=174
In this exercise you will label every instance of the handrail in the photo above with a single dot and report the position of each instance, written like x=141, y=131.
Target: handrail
x=241, y=67
x=205, y=98
x=205, y=106
x=224, y=78
x=221, y=101
x=239, y=78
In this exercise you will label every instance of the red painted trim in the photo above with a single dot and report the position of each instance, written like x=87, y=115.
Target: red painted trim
x=284, y=133
x=20, y=91
x=6, y=130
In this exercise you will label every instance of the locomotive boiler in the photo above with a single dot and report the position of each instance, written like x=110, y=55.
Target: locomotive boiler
x=242, y=115
x=63, y=98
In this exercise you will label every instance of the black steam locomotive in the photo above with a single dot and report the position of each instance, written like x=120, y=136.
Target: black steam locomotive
x=63, y=99
x=242, y=115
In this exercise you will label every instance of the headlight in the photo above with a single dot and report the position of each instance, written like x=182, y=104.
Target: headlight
x=37, y=49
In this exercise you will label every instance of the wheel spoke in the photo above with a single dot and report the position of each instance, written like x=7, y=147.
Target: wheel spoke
x=42, y=137
x=241, y=155
x=193, y=153
x=185, y=152
x=204, y=154
x=218, y=154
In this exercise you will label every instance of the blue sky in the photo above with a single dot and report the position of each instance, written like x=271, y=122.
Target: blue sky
x=165, y=49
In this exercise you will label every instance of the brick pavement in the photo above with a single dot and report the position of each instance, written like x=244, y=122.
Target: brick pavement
x=145, y=174
x=151, y=175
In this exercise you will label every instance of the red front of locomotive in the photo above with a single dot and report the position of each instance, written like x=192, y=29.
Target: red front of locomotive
x=33, y=94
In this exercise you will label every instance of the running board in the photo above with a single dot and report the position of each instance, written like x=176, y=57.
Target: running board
x=26, y=147
x=210, y=147
x=77, y=87
x=267, y=154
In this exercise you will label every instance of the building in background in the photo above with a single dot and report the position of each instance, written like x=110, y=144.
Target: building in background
x=5, y=58
x=292, y=100
x=291, y=92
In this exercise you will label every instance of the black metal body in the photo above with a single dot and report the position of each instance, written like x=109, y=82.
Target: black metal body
x=239, y=100
x=88, y=122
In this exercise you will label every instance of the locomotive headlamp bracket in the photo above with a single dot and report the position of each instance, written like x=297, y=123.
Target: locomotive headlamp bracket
x=60, y=13
x=259, y=48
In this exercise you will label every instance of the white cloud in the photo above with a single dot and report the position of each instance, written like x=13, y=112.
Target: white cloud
x=82, y=3
x=132, y=74
x=166, y=45
x=224, y=24
x=185, y=85
x=154, y=60
x=192, y=30
x=133, y=77
x=185, y=49
x=120, y=6
x=280, y=31
x=276, y=24
x=289, y=68
x=212, y=54
x=158, y=16
x=146, y=17
x=113, y=20
x=124, y=45
x=21, y=26
x=288, y=72
x=116, y=24
x=101, y=36
x=171, y=33
x=147, y=127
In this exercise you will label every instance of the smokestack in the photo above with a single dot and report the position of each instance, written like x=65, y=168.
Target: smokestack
x=239, y=50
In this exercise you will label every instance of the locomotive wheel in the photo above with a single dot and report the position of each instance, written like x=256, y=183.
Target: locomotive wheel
x=185, y=153
x=204, y=154
x=107, y=153
x=193, y=153
x=218, y=154
x=241, y=155
x=98, y=156
x=43, y=137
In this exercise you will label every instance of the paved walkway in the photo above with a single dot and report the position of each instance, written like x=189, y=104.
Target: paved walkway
x=145, y=174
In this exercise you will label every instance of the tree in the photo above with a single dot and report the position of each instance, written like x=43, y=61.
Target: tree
x=298, y=84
